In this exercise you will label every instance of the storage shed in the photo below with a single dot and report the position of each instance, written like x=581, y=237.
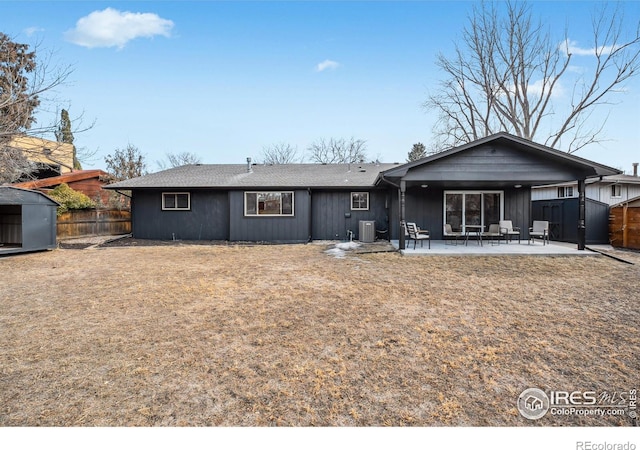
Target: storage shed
x=624, y=224
x=27, y=221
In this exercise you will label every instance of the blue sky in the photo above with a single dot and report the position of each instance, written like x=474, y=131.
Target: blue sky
x=225, y=79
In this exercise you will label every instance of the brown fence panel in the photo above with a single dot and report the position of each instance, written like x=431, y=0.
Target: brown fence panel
x=624, y=227
x=94, y=222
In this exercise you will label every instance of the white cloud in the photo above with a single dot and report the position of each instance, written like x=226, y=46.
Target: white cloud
x=32, y=30
x=113, y=28
x=327, y=64
x=571, y=47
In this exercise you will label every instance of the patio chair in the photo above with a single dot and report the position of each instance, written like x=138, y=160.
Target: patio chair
x=540, y=230
x=449, y=233
x=417, y=234
x=507, y=230
x=493, y=233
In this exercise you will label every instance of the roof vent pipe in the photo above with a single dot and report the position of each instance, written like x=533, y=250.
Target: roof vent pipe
x=635, y=169
x=249, y=168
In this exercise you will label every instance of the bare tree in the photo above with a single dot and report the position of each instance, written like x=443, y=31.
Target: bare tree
x=178, y=159
x=126, y=163
x=280, y=154
x=508, y=70
x=336, y=151
x=13, y=163
x=23, y=82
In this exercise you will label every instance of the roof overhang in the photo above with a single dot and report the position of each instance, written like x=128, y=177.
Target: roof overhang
x=500, y=160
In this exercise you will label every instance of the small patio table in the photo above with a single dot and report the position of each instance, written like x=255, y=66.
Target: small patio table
x=476, y=229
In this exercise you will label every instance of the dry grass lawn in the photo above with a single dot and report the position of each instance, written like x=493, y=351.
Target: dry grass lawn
x=193, y=335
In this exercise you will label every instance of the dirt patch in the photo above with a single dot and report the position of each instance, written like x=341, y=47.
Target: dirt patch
x=225, y=335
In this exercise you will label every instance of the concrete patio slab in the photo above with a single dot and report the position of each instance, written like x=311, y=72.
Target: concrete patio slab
x=473, y=248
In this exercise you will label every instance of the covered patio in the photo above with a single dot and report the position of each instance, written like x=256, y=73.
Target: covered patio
x=479, y=184
x=440, y=248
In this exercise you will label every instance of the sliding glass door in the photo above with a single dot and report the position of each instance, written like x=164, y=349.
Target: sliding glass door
x=462, y=208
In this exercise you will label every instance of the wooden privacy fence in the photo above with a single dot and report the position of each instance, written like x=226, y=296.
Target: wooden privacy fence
x=96, y=222
x=624, y=226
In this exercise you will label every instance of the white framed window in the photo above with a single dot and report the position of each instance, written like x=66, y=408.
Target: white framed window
x=462, y=208
x=268, y=204
x=176, y=201
x=359, y=201
x=565, y=191
x=616, y=191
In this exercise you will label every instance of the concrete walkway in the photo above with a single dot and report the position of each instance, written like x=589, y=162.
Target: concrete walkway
x=473, y=248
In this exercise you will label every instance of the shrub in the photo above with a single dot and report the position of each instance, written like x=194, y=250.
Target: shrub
x=70, y=199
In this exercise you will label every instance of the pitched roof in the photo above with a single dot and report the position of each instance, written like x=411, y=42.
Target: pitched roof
x=10, y=195
x=635, y=201
x=69, y=177
x=260, y=176
x=594, y=168
x=610, y=179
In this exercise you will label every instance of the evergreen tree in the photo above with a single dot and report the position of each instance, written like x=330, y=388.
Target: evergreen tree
x=64, y=134
x=418, y=151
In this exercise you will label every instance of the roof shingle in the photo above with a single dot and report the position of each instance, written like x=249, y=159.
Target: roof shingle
x=262, y=176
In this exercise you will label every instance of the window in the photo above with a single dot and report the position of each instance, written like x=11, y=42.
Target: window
x=616, y=190
x=176, y=201
x=565, y=191
x=462, y=208
x=268, y=203
x=360, y=201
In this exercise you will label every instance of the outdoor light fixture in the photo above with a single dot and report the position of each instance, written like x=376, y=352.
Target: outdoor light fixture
x=424, y=185
x=517, y=186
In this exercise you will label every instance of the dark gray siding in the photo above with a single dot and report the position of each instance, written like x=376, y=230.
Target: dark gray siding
x=563, y=219
x=493, y=162
x=270, y=229
x=425, y=207
x=517, y=209
x=208, y=218
x=332, y=215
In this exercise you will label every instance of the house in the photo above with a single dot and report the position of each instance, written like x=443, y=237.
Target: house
x=474, y=184
x=89, y=182
x=27, y=221
x=49, y=158
x=256, y=202
x=610, y=190
x=558, y=203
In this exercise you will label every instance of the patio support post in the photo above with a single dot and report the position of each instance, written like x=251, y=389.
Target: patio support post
x=401, y=192
x=581, y=215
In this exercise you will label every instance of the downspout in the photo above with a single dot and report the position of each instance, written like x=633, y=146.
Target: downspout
x=401, y=237
x=582, y=233
x=310, y=215
x=401, y=207
x=122, y=193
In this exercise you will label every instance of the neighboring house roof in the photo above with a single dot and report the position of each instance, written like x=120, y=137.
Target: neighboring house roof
x=260, y=176
x=635, y=201
x=590, y=168
x=78, y=175
x=45, y=151
x=611, y=179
